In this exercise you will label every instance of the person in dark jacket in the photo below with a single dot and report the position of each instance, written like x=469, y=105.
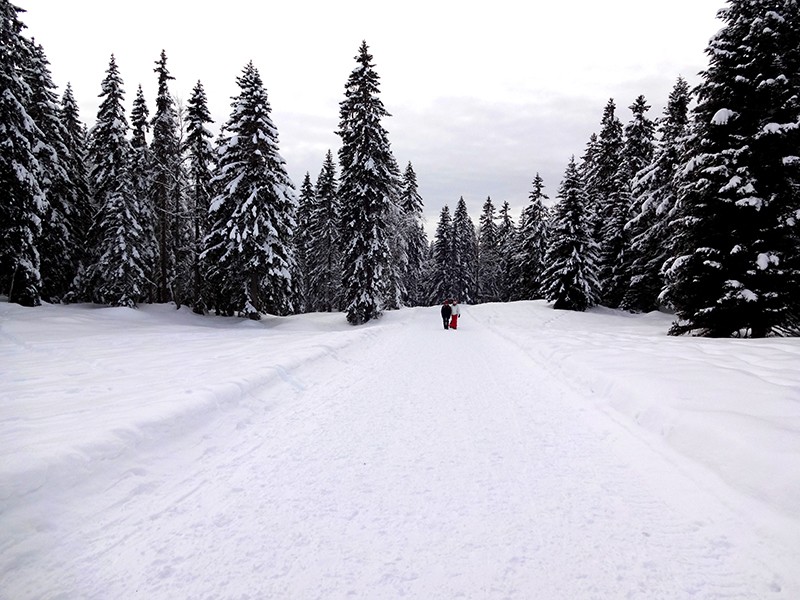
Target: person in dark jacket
x=446, y=312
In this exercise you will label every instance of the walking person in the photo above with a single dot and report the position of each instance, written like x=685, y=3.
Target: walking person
x=455, y=312
x=446, y=312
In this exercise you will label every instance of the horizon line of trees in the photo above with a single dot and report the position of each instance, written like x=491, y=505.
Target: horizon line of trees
x=697, y=211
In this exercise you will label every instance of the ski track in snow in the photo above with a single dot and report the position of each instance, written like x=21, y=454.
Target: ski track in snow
x=406, y=462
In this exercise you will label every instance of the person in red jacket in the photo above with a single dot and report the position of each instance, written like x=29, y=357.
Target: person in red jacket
x=455, y=312
x=446, y=312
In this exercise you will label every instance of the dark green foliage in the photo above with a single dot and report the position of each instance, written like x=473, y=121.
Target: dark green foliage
x=637, y=151
x=22, y=202
x=366, y=192
x=140, y=177
x=59, y=240
x=81, y=213
x=166, y=187
x=464, y=256
x=199, y=152
x=506, y=245
x=570, y=277
x=306, y=201
x=735, y=271
x=249, y=255
x=416, y=241
x=654, y=191
x=531, y=245
x=324, y=242
x=118, y=275
x=439, y=284
x=489, y=274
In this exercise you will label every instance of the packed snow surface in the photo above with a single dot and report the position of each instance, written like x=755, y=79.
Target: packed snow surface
x=532, y=453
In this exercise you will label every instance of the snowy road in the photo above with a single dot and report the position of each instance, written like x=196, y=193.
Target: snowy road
x=409, y=462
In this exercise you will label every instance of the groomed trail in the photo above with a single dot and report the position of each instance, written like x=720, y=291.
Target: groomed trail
x=410, y=462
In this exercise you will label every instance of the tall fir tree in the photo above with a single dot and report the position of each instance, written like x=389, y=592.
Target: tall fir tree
x=439, y=284
x=506, y=247
x=119, y=274
x=366, y=192
x=639, y=145
x=324, y=249
x=59, y=240
x=637, y=151
x=488, y=280
x=166, y=192
x=654, y=190
x=416, y=241
x=22, y=201
x=570, y=278
x=108, y=144
x=108, y=155
x=464, y=255
x=306, y=200
x=140, y=174
x=587, y=168
x=81, y=215
x=397, y=270
x=199, y=151
x=249, y=253
x=604, y=187
x=531, y=244
x=736, y=271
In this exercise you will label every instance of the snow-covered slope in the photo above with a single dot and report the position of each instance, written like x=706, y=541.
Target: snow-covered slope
x=154, y=453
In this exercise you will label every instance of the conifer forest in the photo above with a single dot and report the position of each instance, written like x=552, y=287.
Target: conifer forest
x=695, y=211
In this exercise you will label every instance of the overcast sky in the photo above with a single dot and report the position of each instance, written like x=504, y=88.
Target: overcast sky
x=482, y=97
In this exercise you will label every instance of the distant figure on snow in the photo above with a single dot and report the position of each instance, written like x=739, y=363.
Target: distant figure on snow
x=446, y=312
x=455, y=311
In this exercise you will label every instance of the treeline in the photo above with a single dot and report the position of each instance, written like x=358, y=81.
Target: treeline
x=695, y=211
x=148, y=209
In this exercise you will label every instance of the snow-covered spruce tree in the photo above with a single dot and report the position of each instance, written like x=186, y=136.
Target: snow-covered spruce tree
x=654, y=192
x=140, y=178
x=570, y=277
x=588, y=166
x=324, y=249
x=81, y=214
x=488, y=255
x=199, y=151
x=108, y=145
x=506, y=247
x=603, y=185
x=22, y=202
x=117, y=273
x=107, y=152
x=166, y=193
x=639, y=146
x=736, y=271
x=464, y=255
x=366, y=190
x=249, y=255
x=531, y=244
x=306, y=200
x=439, y=284
x=637, y=152
x=58, y=242
x=398, y=244
x=416, y=241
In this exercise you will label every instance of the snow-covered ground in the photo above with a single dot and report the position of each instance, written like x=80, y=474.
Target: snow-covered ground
x=158, y=454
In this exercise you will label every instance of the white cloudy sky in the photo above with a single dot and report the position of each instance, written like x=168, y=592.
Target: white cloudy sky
x=482, y=97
